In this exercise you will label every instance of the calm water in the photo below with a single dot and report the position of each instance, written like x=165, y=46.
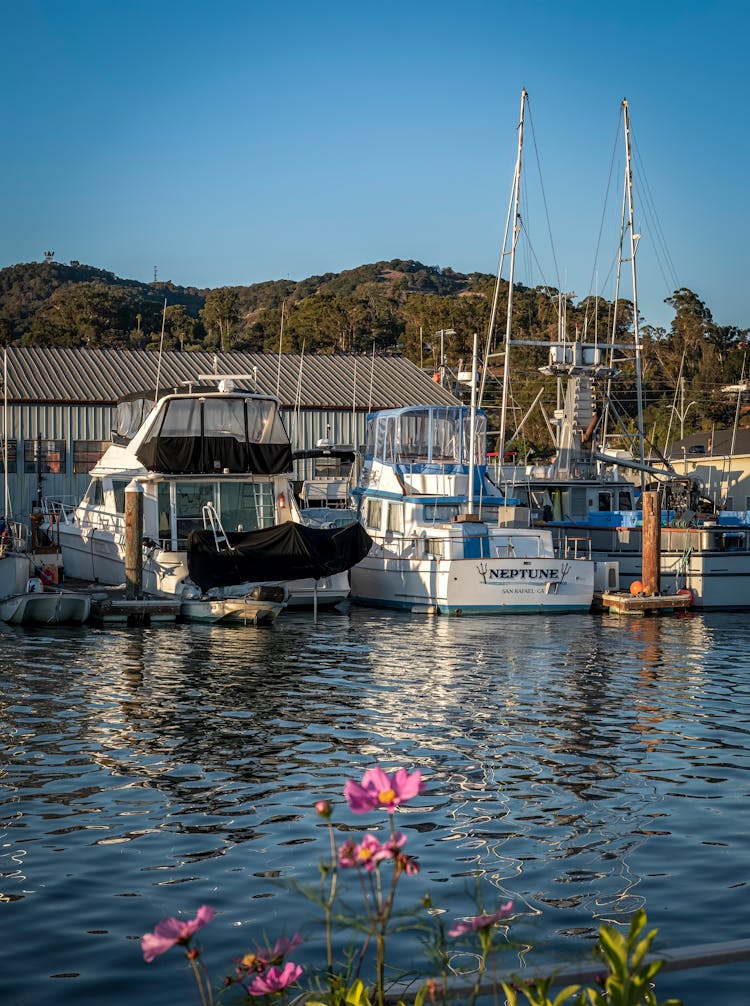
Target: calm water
x=583, y=765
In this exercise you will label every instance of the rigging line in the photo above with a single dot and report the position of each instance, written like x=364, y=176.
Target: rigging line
x=674, y=400
x=651, y=206
x=544, y=195
x=496, y=292
x=605, y=208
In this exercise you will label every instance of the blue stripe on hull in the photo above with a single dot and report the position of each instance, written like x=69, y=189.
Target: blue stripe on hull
x=445, y=609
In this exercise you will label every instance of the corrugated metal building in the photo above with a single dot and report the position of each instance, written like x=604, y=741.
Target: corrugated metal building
x=59, y=403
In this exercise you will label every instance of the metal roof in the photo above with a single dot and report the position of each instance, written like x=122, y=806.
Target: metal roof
x=102, y=376
x=715, y=443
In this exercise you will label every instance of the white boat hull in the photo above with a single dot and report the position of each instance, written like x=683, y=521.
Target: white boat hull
x=325, y=593
x=231, y=610
x=45, y=608
x=471, y=587
x=98, y=555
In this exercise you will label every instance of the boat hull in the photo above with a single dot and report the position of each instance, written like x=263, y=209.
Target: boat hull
x=45, y=608
x=234, y=611
x=468, y=587
x=700, y=559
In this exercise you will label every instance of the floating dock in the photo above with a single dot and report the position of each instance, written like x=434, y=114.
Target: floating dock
x=622, y=602
x=109, y=605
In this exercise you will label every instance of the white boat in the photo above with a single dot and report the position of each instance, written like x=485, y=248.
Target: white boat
x=221, y=530
x=444, y=538
x=24, y=600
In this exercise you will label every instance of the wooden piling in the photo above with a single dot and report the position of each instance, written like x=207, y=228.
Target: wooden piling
x=133, y=541
x=651, y=543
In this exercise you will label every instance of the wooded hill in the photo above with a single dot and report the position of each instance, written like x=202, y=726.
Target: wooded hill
x=385, y=307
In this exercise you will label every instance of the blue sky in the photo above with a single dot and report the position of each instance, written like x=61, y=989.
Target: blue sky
x=229, y=143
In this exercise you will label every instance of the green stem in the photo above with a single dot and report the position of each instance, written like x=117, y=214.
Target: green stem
x=330, y=899
x=204, y=988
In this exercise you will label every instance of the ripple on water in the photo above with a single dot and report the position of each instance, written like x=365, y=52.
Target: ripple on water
x=582, y=766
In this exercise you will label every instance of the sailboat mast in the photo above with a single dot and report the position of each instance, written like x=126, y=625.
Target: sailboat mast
x=634, y=239
x=473, y=424
x=513, y=239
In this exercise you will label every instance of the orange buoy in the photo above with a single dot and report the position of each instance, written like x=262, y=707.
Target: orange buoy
x=636, y=587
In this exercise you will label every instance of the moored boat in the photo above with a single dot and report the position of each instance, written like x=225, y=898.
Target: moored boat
x=213, y=464
x=445, y=539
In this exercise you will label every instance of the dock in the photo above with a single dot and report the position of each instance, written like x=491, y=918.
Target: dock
x=109, y=605
x=622, y=602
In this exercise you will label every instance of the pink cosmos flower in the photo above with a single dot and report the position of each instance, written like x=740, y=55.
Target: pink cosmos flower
x=369, y=852
x=481, y=921
x=169, y=932
x=260, y=959
x=274, y=980
x=380, y=791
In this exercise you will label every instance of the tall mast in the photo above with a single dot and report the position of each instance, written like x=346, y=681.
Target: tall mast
x=513, y=239
x=634, y=239
x=473, y=424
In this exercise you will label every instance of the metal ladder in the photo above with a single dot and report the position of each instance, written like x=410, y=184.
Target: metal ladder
x=211, y=519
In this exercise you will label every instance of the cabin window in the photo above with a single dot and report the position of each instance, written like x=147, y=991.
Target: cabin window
x=95, y=493
x=8, y=447
x=624, y=500
x=86, y=453
x=373, y=514
x=47, y=456
x=730, y=541
x=439, y=513
x=246, y=506
x=182, y=419
x=396, y=517
x=729, y=503
x=118, y=488
x=189, y=499
x=226, y=418
x=164, y=507
x=605, y=502
x=433, y=548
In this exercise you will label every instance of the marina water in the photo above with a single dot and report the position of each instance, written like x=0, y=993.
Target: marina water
x=583, y=765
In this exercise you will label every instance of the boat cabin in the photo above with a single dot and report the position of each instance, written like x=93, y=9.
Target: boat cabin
x=218, y=459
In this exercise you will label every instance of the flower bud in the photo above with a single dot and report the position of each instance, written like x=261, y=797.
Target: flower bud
x=323, y=809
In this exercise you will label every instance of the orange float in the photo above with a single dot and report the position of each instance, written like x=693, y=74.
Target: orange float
x=636, y=587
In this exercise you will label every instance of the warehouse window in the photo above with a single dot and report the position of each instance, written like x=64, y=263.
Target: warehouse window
x=47, y=456
x=12, y=456
x=86, y=453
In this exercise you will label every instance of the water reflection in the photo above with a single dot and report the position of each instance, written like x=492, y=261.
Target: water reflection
x=583, y=766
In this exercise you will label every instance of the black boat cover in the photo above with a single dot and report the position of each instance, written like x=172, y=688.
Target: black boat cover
x=287, y=551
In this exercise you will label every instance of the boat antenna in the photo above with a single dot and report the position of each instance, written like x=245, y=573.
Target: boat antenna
x=161, y=349
x=281, y=343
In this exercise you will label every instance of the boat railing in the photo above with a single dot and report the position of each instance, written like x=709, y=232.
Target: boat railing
x=577, y=547
x=64, y=512
x=62, y=508
x=447, y=546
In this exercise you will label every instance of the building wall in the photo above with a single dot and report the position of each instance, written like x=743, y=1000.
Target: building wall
x=72, y=424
